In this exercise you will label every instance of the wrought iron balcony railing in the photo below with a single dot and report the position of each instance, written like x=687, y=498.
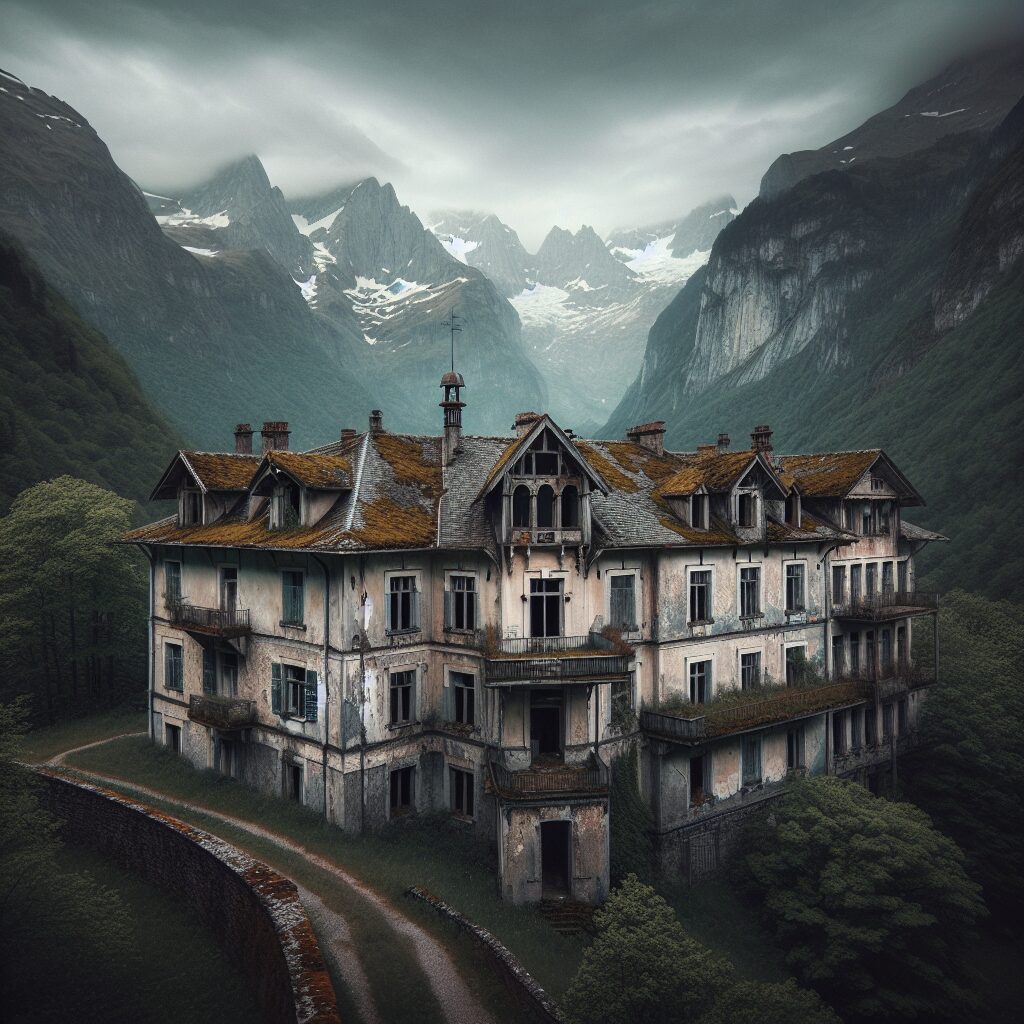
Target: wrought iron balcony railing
x=213, y=621
x=540, y=782
x=590, y=658
x=221, y=712
x=893, y=604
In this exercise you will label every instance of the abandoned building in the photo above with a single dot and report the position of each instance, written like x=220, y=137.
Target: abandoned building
x=392, y=624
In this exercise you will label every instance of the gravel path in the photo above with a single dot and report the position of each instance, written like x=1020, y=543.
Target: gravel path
x=457, y=1001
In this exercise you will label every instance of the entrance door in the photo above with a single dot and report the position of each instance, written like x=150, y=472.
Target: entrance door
x=546, y=723
x=698, y=768
x=546, y=607
x=554, y=858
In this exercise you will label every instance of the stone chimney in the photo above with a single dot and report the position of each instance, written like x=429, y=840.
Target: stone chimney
x=761, y=438
x=347, y=433
x=376, y=421
x=243, y=439
x=275, y=436
x=524, y=422
x=649, y=435
x=723, y=442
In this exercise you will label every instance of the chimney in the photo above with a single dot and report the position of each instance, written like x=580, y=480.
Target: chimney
x=376, y=421
x=347, y=433
x=452, y=404
x=761, y=438
x=524, y=422
x=275, y=436
x=649, y=435
x=723, y=442
x=243, y=439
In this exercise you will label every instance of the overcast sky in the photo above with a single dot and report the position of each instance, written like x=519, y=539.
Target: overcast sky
x=604, y=112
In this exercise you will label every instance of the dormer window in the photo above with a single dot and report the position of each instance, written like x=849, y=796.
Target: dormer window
x=545, y=507
x=521, y=506
x=543, y=458
x=699, y=511
x=570, y=508
x=191, y=507
x=793, y=509
x=747, y=510
x=285, y=507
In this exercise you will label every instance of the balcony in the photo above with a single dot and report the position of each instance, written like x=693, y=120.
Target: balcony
x=728, y=716
x=890, y=680
x=221, y=712
x=539, y=661
x=551, y=781
x=896, y=604
x=223, y=622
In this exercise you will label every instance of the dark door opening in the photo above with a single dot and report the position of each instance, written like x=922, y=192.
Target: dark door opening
x=546, y=607
x=554, y=857
x=293, y=782
x=696, y=781
x=546, y=724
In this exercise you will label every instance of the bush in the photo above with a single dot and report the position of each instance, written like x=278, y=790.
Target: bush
x=632, y=849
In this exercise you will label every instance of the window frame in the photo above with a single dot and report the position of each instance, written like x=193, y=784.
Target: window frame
x=801, y=564
x=468, y=780
x=170, y=645
x=786, y=648
x=169, y=598
x=754, y=741
x=408, y=685
x=619, y=574
x=222, y=580
x=455, y=686
x=746, y=653
x=470, y=609
x=300, y=590
x=691, y=620
x=414, y=625
x=757, y=567
x=402, y=772
x=839, y=575
x=709, y=678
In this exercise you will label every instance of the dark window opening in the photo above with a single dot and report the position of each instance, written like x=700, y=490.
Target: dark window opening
x=794, y=749
x=554, y=856
x=699, y=511
x=402, y=684
x=570, y=508
x=521, y=506
x=228, y=588
x=796, y=665
x=192, y=508
x=546, y=724
x=855, y=577
x=463, y=698
x=698, y=774
x=461, y=785
x=172, y=736
x=700, y=596
x=751, y=757
x=546, y=607
x=545, y=507
x=838, y=584
x=750, y=670
x=839, y=733
x=460, y=603
x=747, y=505
x=403, y=604
x=293, y=782
x=793, y=510
x=402, y=790
x=855, y=652
x=856, y=728
x=700, y=682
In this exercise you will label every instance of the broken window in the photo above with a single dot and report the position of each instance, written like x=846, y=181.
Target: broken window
x=747, y=509
x=460, y=603
x=795, y=587
x=228, y=588
x=293, y=691
x=172, y=738
x=700, y=596
x=700, y=777
x=402, y=790
x=838, y=584
x=543, y=457
x=796, y=665
x=173, y=667
x=699, y=511
x=402, y=686
x=463, y=697
x=172, y=582
x=461, y=785
x=700, y=682
x=751, y=760
x=403, y=605
x=521, y=506
x=750, y=592
x=285, y=508
x=292, y=597
x=570, y=507
x=622, y=601
x=750, y=670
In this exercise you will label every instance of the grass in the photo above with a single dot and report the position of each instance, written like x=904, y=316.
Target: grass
x=435, y=852
x=46, y=742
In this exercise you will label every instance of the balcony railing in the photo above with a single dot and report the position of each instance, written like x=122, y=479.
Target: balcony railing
x=890, y=680
x=779, y=705
x=557, y=659
x=221, y=712
x=214, y=621
x=893, y=604
x=541, y=782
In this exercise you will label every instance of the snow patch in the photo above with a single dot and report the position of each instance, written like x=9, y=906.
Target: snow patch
x=201, y=252
x=307, y=228
x=458, y=247
x=948, y=113
x=186, y=217
x=308, y=289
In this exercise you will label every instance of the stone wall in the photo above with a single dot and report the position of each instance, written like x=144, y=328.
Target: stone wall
x=253, y=912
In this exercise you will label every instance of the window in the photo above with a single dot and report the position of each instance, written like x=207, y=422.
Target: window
x=546, y=607
x=285, y=508
x=870, y=579
x=700, y=596
x=463, y=697
x=869, y=651
x=901, y=715
x=172, y=738
x=838, y=655
x=228, y=588
x=887, y=581
x=622, y=601
x=521, y=506
x=173, y=668
x=887, y=649
x=229, y=674
x=855, y=653
x=545, y=507
x=699, y=511
x=869, y=726
x=750, y=592
x=700, y=682
x=402, y=686
x=621, y=701
x=747, y=509
x=796, y=664
x=191, y=507
x=461, y=785
x=865, y=518
x=856, y=571
x=795, y=587
x=543, y=458
x=856, y=728
x=877, y=483
x=172, y=582
x=838, y=584
x=794, y=749
x=403, y=605
x=292, y=598
x=402, y=790
x=751, y=760
x=750, y=670
x=460, y=603
x=293, y=692
x=293, y=782
x=793, y=509
x=884, y=517
x=902, y=576
x=901, y=646
x=887, y=721
x=209, y=671
x=570, y=501
x=839, y=732
x=850, y=517
x=700, y=775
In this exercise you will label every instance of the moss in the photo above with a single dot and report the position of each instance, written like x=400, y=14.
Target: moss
x=409, y=462
x=610, y=473
x=388, y=525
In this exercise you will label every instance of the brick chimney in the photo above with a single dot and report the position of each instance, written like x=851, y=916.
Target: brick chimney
x=723, y=442
x=243, y=439
x=524, y=422
x=376, y=421
x=347, y=433
x=275, y=436
x=649, y=435
x=761, y=438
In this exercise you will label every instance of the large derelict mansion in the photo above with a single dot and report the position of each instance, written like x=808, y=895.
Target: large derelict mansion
x=395, y=624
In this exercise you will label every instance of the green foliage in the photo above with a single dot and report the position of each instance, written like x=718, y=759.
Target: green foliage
x=642, y=968
x=632, y=824
x=969, y=771
x=68, y=402
x=870, y=902
x=770, y=1002
x=72, y=603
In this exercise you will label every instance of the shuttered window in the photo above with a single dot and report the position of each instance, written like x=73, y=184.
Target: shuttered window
x=622, y=602
x=293, y=597
x=293, y=692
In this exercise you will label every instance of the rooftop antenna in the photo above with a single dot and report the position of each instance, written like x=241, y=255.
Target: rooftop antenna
x=453, y=325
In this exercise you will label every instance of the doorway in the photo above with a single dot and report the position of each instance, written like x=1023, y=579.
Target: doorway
x=293, y=782
x=554, y=857
x=546, y=607
x=546, y=724
x=698, y=771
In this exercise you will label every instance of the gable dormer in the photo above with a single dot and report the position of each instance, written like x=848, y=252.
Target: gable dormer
x=206, y=485
x=299, y=488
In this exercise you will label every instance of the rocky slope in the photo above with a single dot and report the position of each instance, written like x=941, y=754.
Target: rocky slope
x=481, y=240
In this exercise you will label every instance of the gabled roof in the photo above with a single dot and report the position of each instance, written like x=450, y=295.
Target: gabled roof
x=521, y=444
x=908, y=531
x=835, y=474
x=211, y=471
x=317, y=471
x=715, y=471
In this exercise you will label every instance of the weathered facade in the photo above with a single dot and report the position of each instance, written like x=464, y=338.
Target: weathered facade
x=394, y=623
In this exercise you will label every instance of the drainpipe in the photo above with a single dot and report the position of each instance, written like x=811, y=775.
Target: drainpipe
x=151, y=646
x=327, y=668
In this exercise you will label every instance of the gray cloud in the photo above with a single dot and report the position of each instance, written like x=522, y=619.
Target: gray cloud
x=603, y=112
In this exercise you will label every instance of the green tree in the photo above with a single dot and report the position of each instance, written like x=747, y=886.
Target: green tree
x=72, y=603
x=870, y=902
x=642, y=968
x=770, y=1002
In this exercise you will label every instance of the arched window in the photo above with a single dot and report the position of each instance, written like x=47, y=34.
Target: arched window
x=545, y=507
x=521, y=506
x=570, y=507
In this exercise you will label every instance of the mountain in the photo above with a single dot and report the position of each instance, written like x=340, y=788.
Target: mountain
x=973, y=93
x=207, y=336
x=580, y=262
x=877, y=305
x=481, y=240
x=68, y=402
x=697, y=231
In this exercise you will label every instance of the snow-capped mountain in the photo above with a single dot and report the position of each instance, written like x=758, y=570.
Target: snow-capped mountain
x=481, y=240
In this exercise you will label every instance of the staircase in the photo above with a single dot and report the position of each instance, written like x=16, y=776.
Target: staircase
x=566, y=915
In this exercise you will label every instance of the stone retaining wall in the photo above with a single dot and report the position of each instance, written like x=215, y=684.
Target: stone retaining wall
x=254, y=913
